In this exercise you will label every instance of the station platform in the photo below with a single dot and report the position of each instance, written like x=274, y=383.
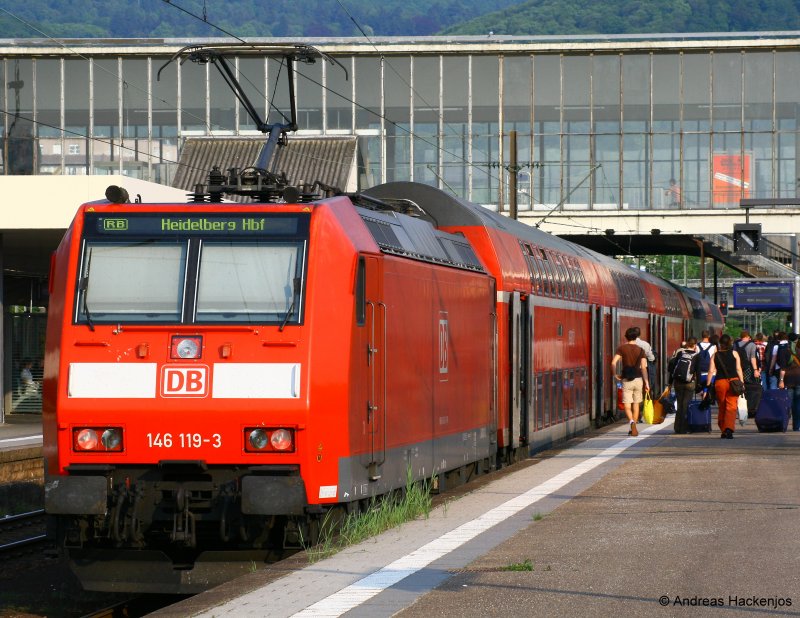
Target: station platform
x=20, y=431
x=654, y=525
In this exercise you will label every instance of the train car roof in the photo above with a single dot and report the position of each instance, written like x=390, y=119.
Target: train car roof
x=447, y=210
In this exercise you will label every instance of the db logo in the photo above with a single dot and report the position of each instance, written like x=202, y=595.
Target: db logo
x=184, y=381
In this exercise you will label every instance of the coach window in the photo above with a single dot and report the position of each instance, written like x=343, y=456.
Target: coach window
x=547, y=273
x=584, y=291
x=566, y=282
x=573, y=269
x=536, y=269
x=555, y=263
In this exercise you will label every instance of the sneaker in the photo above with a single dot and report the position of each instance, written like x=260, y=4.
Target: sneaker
x=634, y=432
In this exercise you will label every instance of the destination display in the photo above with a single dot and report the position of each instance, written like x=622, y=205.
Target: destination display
x=763, y=296
x=233, y=224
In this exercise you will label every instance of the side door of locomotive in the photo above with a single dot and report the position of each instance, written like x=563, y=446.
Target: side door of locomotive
x=371, y=317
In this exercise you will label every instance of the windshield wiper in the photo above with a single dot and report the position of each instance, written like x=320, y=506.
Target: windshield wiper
x=83, y=287
x=295, y=294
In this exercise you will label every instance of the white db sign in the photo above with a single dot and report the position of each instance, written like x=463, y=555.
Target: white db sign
x=184, y=381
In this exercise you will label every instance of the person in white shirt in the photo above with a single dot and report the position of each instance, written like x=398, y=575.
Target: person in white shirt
x=649, y=355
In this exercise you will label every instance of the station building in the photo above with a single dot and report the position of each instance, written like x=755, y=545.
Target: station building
x=673, y=123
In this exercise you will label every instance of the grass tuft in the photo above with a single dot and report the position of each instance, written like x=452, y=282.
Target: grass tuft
x=519, y=566
x=381, y=515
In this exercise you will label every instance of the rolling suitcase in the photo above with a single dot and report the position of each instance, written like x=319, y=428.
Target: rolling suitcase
x=698, y=419
x=774, y=410
x=752, y=393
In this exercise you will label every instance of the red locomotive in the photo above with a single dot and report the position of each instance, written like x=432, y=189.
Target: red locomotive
x=219, y=376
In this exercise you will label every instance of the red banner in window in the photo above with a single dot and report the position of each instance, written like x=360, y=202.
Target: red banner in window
x=731, y=178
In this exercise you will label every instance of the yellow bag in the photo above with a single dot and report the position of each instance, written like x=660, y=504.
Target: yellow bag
x=652, y=411
x=648, y=409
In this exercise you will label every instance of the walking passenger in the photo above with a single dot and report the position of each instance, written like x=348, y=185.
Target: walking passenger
x=761, y=346
x=707, y=350
x=633, y=377
x=789, y=377
x=779, y=353
x=649, y=355
x=748, y=355
x=724, y=367
x=684, y=380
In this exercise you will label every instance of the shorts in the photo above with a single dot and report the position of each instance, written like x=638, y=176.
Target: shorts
x=633, y=391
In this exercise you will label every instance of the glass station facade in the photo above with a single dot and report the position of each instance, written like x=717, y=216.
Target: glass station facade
x=617, y=123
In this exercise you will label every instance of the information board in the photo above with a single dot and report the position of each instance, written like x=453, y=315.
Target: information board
x=763, y=296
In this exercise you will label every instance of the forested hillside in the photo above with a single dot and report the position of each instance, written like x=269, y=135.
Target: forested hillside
x=243, y=18
x=329, y=18
x=636, y=16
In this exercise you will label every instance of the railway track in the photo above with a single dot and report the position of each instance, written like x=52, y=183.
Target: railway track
x=22, y=533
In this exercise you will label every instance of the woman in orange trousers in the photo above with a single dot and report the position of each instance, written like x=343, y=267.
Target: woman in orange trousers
x=725, y=365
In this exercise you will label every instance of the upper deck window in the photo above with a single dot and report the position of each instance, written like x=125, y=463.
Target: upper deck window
x=171, y=268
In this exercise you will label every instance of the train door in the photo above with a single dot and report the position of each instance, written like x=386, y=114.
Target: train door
x=663, y=352
x=374, y=318
x=658, y=343
x=597, y=368
x=528, y=421
x=612, y=343
x=521, y=352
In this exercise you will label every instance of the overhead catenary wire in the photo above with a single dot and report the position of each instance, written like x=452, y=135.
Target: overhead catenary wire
x=377, y=114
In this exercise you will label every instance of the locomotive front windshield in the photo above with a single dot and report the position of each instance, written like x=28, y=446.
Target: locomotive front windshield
x=193, y=270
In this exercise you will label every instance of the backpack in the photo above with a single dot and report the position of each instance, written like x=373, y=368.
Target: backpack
x=747, y=369
x=682, y=370
x=704, y=363
x=784, y=357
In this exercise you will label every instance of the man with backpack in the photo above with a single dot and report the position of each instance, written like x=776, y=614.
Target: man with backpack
x=706, y=351
x=789, y=378
x=780, y=357
x=683, y=370
x=747, y=350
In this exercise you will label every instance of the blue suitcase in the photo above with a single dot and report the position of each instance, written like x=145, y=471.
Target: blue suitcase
x=698, y=419
x=774, y=410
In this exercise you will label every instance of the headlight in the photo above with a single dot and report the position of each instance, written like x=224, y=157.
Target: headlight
x=186, y=347
x=86, y=440
x=97, y=439
x=281, y=440
x=268, y=440
x=111, y=439
x=259, y=439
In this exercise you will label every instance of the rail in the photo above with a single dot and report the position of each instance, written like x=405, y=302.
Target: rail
x=21, y=520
